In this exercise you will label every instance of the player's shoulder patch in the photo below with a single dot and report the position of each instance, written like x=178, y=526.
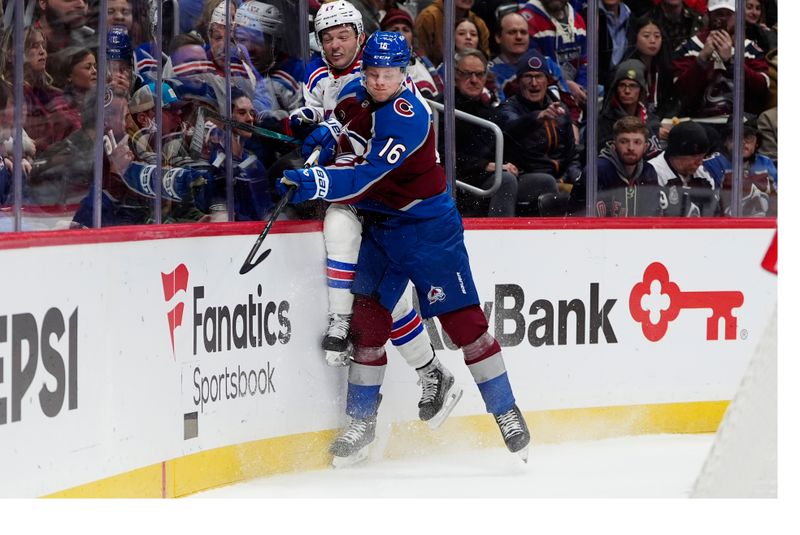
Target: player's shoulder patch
x=403, y=107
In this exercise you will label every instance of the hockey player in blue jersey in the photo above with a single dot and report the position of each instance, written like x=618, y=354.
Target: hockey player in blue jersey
x=340, y=35
x=386, y=165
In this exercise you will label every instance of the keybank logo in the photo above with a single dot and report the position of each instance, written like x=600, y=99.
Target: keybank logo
x=657, y=301
x=216, y=327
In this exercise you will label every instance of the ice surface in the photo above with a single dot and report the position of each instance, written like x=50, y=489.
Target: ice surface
x=652, y=466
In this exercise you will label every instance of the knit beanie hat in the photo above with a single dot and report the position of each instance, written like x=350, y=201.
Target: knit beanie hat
x=394, y=16
x=532, y=61
x=630, y=69
x=686, y=139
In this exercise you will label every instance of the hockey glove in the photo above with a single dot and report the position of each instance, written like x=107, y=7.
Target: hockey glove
x=312, y=183
x=304, y=116
x=326, y=137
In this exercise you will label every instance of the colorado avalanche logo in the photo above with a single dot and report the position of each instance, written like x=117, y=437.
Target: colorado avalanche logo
x=535, y=63
x=435, y=294
x=403, y=107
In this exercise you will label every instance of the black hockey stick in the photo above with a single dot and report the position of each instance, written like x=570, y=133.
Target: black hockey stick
x=248, y=264
x=257, y=130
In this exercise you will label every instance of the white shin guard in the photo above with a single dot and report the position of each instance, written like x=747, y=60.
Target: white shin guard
x=342, y=234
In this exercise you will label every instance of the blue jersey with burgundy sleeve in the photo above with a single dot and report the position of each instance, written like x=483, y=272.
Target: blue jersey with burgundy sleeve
x=387, y=160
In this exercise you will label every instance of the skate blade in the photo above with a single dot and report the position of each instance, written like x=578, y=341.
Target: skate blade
x=345, y=462
x=523, y=454
x=337, y=359
x=453, y=397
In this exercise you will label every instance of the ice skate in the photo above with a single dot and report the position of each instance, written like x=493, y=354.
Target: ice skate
x=515, y=431
x=439, y=393
x=338, y=347
x=352, y=445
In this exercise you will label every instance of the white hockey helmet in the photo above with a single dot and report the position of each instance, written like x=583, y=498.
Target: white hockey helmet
x=335, y=14
x=258, y=16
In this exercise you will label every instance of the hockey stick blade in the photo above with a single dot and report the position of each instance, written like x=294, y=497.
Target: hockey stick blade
x=257, y=130
x=248, y=264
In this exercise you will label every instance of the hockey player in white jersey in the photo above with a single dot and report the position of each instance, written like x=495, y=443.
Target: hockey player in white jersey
x=340, y=35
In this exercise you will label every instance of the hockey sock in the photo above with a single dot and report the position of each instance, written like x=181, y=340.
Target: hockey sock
x=409, y=336
x=485, y=362
x=364, y=381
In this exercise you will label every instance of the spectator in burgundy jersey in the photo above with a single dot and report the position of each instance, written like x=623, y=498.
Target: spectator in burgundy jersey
x=703, y=69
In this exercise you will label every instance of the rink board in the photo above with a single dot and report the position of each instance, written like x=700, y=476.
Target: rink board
x=138, y=362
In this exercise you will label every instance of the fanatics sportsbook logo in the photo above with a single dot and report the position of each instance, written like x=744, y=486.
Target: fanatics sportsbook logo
x=656, y=301
x=175, y=281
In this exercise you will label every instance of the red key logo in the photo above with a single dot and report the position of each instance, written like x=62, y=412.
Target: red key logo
x=656, y=301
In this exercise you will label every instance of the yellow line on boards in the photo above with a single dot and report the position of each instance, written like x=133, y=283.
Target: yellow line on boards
x=308, y=451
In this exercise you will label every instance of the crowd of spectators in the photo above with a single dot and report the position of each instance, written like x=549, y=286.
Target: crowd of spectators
x=664, y=134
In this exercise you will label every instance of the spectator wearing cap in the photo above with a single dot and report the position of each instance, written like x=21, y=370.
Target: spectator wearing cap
x=646, y=43
x=420, y=68
x=627, y=96
x=559, y=32
x=703, y=68
x=132, y=15
x=429, y=27
x=142, y=110
x=121, y=78
x=687, y=188
x=539, y=131
x=759, y=174
x=475, y=145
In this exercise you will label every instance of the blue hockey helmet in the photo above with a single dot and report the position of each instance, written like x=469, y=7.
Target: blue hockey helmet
x=386, y=49
x=118, y=44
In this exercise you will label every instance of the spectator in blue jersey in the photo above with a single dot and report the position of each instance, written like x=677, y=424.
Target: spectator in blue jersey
x=420, y=68
x=251, y=189
x=703, y=68
x=627, y=96
x=475, y=158
x=128, y=186
x=759, y=174
x=511, y=36
x=687, y=188
x=559, y=32
x=412, y=232
x=541, y=140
